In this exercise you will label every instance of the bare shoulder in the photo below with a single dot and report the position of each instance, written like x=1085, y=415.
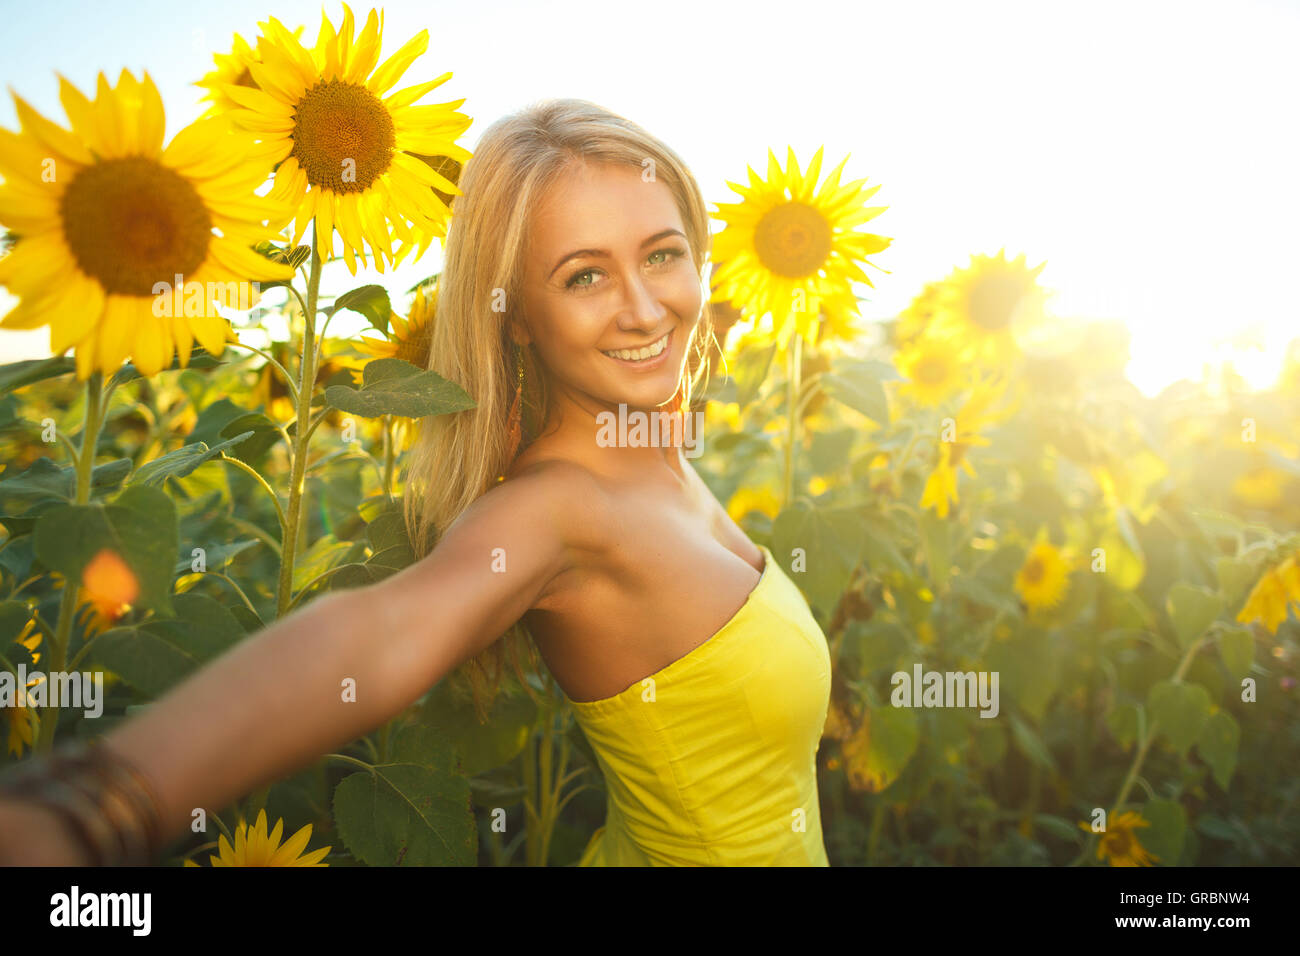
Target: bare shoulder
x=568, y=498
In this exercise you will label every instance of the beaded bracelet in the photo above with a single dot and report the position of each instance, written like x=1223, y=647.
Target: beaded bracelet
x=107, y=802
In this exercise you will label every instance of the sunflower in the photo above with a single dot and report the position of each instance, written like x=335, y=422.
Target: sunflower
x=1120, y=843
x=108, y=589
x=989, y=304
x=233, y=68
x=934, y=368
x=941, y=486
x=410, y=337
x=1267, y=603
x=343, y=147
x=746, y=499
x=791, y=250
x=23, y=720
x=253, y=847
x=106, y=218
x=1043, y=579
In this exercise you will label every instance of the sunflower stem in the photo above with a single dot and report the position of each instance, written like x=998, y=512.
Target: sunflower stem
x=792, y=408
x=68, y=604
x=298, y=448
x=244, y=466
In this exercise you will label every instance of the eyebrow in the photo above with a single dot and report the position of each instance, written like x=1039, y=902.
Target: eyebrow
x=663, y=234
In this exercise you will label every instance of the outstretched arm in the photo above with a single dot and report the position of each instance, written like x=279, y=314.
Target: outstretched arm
x=275, y=702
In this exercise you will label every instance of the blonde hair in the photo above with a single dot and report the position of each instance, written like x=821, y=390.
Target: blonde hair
x=456, y=458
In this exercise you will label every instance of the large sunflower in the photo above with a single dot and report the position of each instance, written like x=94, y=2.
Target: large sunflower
x=989, y=304
x=106, y=217
x=344, y=148
x=791, y=250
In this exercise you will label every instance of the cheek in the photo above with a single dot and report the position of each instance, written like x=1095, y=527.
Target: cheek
x=688, y=298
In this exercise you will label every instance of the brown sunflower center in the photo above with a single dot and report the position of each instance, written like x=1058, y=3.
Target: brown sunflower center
x=415, y=348
x=132, y=223
x=1034, y=570
x=931, y=370
x=993, y=302
x=793, y=240
x=343, y=137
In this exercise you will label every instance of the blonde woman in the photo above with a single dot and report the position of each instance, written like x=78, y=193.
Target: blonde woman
x=573, y=284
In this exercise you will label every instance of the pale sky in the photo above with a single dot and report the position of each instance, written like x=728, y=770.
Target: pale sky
x=1147, y=150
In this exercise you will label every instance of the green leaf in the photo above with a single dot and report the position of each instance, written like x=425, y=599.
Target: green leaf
x=370, y=301
x=750, y=370
x=481, y=746
x=973, y=590
x=1217, y=745
x=180, y=462
x=139, y=527
x=1182, y=710
x=881, y=748
x=1059, y=828
x=1029, y=743
x=863, y=394
x=1192, y=610
x=407, y=814
x=387, y=530
x=17, y=375
x=44, y=479
x=830, y=540
x=154, y=656
x=391, y=386
x=1237, y=648
x=249, y=448
x=1165, y=836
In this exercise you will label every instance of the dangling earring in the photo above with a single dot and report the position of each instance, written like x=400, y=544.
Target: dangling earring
x=514, y=430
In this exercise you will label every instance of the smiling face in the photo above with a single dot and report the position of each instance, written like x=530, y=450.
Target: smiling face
x=611, y=293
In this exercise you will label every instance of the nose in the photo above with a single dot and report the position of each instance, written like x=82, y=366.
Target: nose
x=642, y=311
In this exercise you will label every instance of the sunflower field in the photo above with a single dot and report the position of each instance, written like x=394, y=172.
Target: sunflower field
x=973, y=487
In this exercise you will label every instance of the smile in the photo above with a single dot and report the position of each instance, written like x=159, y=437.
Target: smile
x=641, y=354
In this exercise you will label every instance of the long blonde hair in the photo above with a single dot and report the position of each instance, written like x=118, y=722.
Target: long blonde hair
x=456, y=458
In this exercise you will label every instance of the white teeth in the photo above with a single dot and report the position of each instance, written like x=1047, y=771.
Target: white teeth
x=637, y=355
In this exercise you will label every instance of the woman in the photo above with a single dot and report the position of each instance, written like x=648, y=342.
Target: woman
x=575, y=265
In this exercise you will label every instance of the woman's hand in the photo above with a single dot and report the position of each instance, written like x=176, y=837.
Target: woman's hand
x=34, y=835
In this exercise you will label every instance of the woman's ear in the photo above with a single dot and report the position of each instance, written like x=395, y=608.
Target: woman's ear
x=519, y=333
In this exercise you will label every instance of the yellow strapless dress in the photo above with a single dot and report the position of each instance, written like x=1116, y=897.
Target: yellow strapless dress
x=712, y=760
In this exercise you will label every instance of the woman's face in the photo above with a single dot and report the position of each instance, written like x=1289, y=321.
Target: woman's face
x=611, y=294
